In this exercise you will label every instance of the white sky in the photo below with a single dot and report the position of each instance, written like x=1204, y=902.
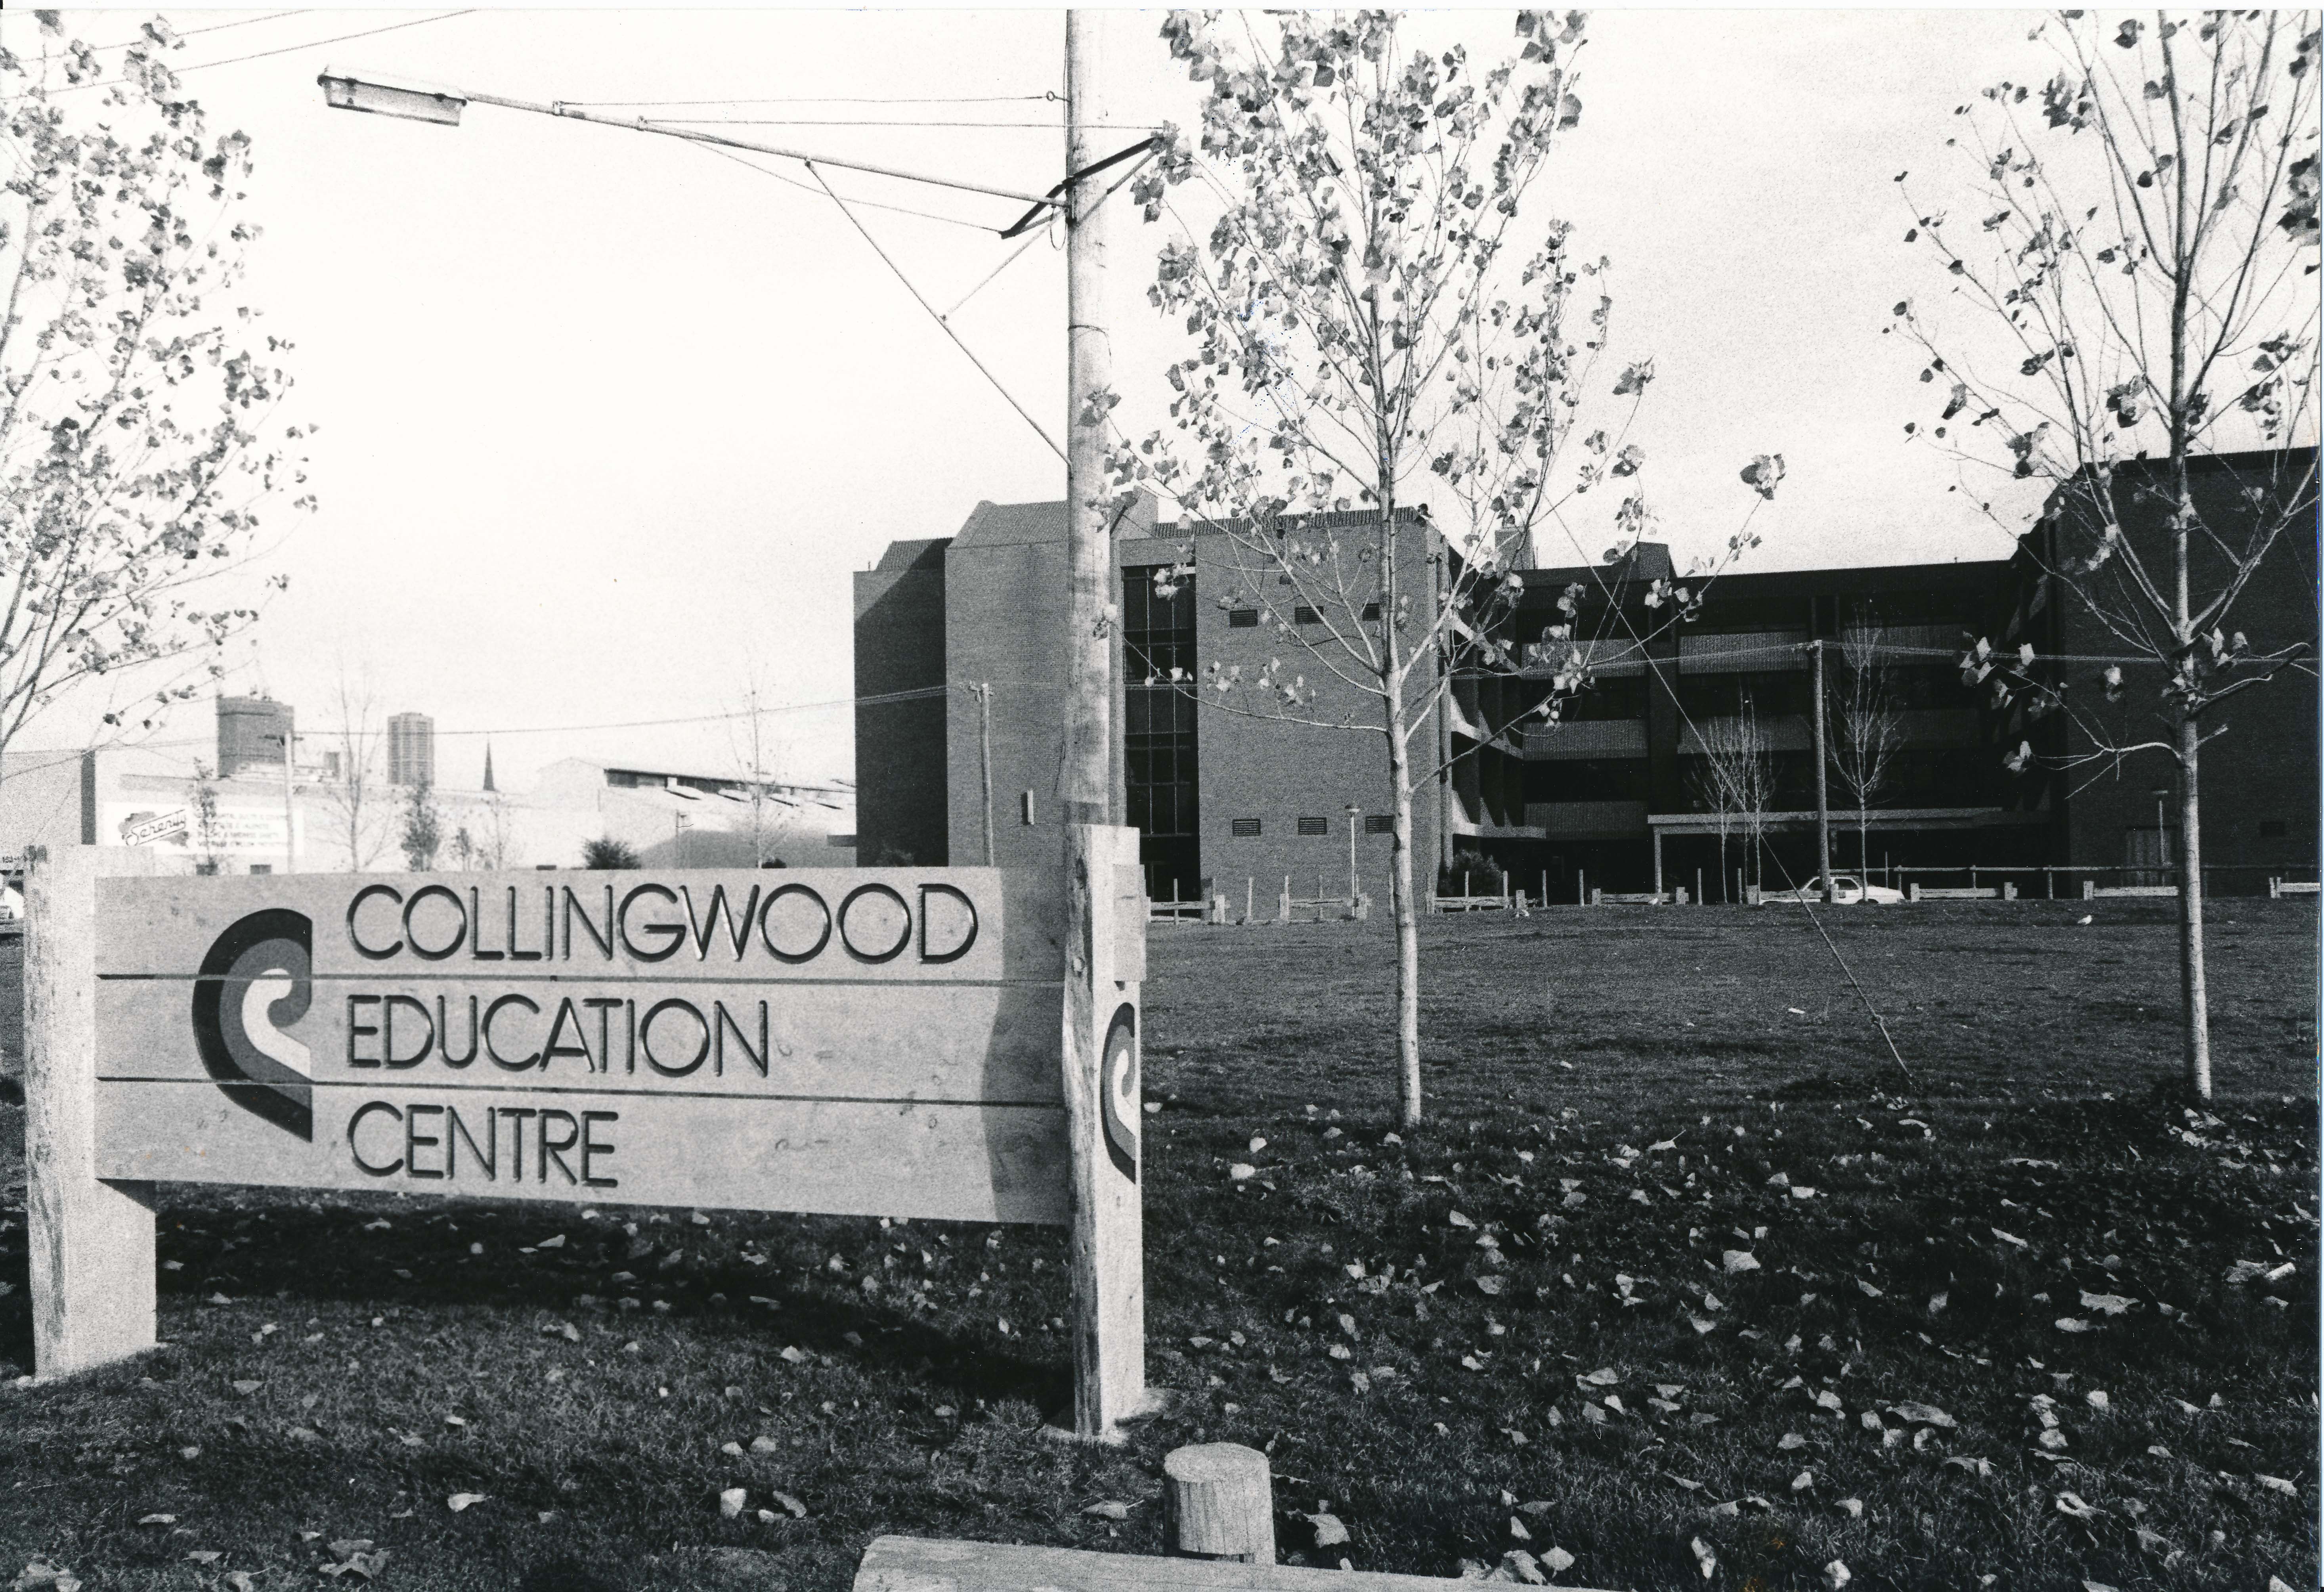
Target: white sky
x=607, y=421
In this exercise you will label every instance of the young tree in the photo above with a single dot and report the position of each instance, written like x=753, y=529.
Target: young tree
x=422, y=833
x=770, y=815
x=358, y=811
x=1379, y=319
x=202, y=827
x=496, y=847
x=1867, y=731
x=138, y=442
x=2138, y=291
x=1735, y=779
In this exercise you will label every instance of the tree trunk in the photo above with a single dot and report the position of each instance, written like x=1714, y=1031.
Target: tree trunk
x=2191, y=912
x=1407, y=922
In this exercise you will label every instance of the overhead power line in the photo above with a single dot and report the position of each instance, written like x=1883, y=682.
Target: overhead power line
x=826, y=100
x=942, y=324
x=196, y=33
x=203, y=66
x=868, y=204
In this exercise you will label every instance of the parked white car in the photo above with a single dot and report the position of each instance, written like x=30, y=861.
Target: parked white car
x=1847, y=891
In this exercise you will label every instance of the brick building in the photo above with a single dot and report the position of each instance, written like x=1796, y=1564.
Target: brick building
x=2259, y=779
x=955, y=642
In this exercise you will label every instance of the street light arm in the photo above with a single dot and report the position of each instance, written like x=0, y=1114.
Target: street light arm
x=345, y=91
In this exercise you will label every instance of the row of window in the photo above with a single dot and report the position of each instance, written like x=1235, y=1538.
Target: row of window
x=1377, y=823
x=1301, y=614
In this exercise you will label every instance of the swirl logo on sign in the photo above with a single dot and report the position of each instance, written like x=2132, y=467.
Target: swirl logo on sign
x=1118, y=1090
x=255, y=981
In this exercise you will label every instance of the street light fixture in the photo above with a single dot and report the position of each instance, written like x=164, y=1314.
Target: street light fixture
x=410, y=102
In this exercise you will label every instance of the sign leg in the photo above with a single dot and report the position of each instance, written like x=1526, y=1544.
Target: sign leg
x=1105, y=1121
x=92, y=1241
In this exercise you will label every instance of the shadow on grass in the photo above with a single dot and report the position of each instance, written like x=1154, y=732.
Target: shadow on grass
x=313, y=1257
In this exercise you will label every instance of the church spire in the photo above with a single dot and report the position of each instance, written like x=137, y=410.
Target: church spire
x=488, y=767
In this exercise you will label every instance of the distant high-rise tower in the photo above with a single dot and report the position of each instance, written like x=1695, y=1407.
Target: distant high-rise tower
x=251, y=730
x=411, y=749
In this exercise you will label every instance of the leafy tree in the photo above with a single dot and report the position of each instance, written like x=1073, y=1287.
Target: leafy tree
x=1867, y=731
x=1379, y=317
x=138, y=437
x=2137, y=290
x=422, y=834
x=609, y=854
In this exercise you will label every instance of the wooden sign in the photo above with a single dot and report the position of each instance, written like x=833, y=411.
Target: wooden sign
x=877, y=1042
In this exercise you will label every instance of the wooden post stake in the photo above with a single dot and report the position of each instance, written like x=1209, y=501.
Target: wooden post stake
x=1220, y=1502
x=1823, y=805
x=91, y=1241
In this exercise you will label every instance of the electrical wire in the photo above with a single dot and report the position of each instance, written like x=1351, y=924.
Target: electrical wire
x=823, y=99
x=176, y=33
x=868, y=204
x=285, y=50
x=1871, y=1011
x=941, y=323
x=825, y=122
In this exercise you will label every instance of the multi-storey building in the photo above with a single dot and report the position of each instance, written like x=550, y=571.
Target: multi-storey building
x=956, y=647
x=2258, y=782
x=411, y=749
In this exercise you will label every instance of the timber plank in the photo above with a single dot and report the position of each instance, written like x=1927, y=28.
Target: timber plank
x=961, y=1162
x=916, y=1564
x=165, y=926
x=906, y=1041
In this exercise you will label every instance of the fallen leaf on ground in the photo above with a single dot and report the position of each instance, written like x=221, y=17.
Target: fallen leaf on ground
x=460, y=1502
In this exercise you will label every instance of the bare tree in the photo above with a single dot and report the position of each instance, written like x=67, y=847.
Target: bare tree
x=756, y=750
x=496, y=846
x=2142, y=292
x=203, y=831
x=356, y=801
x=1736, y=780
x=1867, y=731
x=1373, y=307
x=137, y=443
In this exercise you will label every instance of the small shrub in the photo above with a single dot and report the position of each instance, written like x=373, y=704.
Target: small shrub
x=609, y=854
x=1483, y=875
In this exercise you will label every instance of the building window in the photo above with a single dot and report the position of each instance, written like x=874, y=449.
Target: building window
x=1024, y=809
x=1303, y=615
x=1314, y=826
x=1379, y=823
x=2271, y=828
x=1160, y=775
x=1246, y=829
x=1371, y=610
x=1242, y=618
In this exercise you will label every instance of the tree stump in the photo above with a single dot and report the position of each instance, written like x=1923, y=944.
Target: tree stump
x=1221, y=1502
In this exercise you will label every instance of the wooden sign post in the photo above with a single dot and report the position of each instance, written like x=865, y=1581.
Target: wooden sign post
x=876, y=1042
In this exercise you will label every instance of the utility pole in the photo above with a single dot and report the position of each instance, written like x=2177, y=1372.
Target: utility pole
x=984, y=758
x=290, y=810
x=1103, y=1245
x=1823, y=805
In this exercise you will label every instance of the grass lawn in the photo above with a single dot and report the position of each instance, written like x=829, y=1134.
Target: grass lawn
x=1682, y=1256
